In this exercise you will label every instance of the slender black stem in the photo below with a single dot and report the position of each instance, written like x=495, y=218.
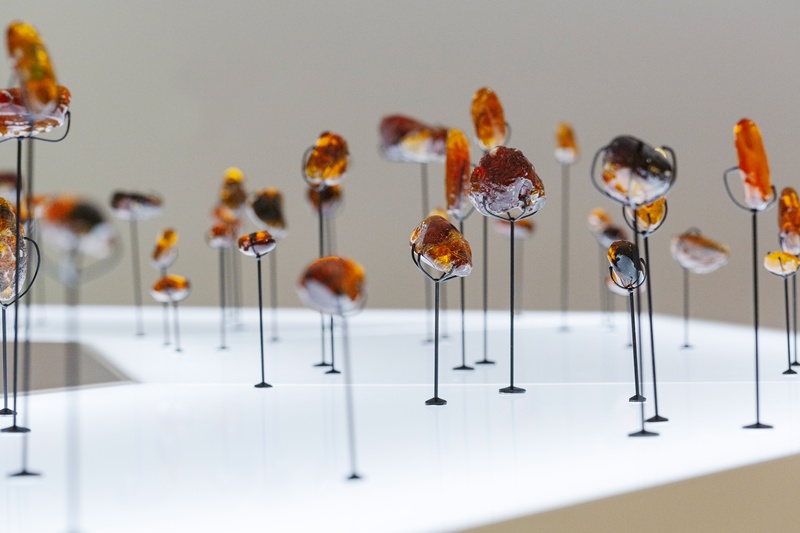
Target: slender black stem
x=686, y=308
x=222, y=345
x=436, y=341
x=463, y=312
x=348, y=388
x=650, y=319
x=273, y=294
x=137, y=276
x=565, y=247
x=633, y=344
x=26, y=377
x=321, y=235
x=638, y=304
x=177, y=328
x=165, y=307
x=17, y=257
x=755, y=311
x=788, y=330
x=425, y=210
x=333, y=352
x=485, y=360
x=6, y=410
x=794, y=316
x=260, y=319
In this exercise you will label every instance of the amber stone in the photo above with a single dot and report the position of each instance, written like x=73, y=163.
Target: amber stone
x=440, y=245
x=171, y=288
x=758, y=192
x=697, y=253
x=327, y=162
x=71, y=223
x=166, y=250
x=625, y=265
x=523, y=229
x=257, y=244
x=222, y=214
x=488, y=119
x=506, y=181
x=221, y=236
x=635, y=173
x=408, y=140
x=17, y=121
x=232, y=193
x=37, y=203
x=266, y=209
x=331, y=198
x=789, y=208
x=611, y=234
x=8, y=258
x=135, y=206
x=31, y=62
x=457, y=170
x=566, y=147
x=789, y=239
x=649, y=217
x=781, y=263
x=333, y=285
x=598, y=221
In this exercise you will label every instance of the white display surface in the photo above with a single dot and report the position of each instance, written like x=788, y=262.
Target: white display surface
x=192, y=446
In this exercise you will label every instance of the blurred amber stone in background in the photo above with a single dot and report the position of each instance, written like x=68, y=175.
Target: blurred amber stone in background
x=699, y=254
x=71, y=223
x=31, y=62
x=8, y=258
x=17, y=121
x=781, y=263
x=504, y=181
x=523, y=229
x=441, y=246
x=232, y=193
x=625, y=265
x=457, y=170
x=221, y=236
x=789, y=208
x=635, y=173
x=598, y=220
x=331, y=198
x=267, y=209
x=170, y=288
x=333, y=285
x=611, y=234
x=488, y=119
x=166, y=249
x=408, y=140
x=566, y=147
x=134, y=205
x=753, y=164
x=257, y=244
x=649, y=217
x=327, y=162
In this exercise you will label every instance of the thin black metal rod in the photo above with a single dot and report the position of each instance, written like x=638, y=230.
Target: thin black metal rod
x=177, y=328
x=633, y=345
x=273, y=294
x=755, y=313
x=425, y=210
x=333, y=352
x=17, y=257
x=511, y=389
x=260, y=319
x=639, y=370
x=222, y=345
x=137, y=276
x=485, y=360
x=656, y=417
x=321, y=234
x=463, y=312
x=165, y=307
x=686, y=308
x=794, y=317
x=788, y=330
x=348, y=391
x=564, y=247
x=6, y=410
x=26, y=383
x=520, y=274
x=435, y=398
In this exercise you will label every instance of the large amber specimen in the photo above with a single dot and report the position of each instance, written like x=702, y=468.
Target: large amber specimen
x=781, y=263
x=71, y=223
x=135, y=205
x=457, y=170
x=753, y=165
x=408, y=140
x=267, y=209
x=523, y=229
x=634, y=173
x=257, y=244
x=170, y=289
x=327, y=162
x=626, y=268
x=333, y=285
x=221, y=236
x=440, y=245
x=166, y=250
x=232, y=193
x=566, y=147
x=31, y=62
x=506, y=181
x=598, y=221
x=649, y=217
x=488, y=119
x=698, y=254
x=331, y=198
x=17, y=121
x=8, y=258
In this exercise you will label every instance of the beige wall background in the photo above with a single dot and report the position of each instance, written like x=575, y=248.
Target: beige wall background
x=166, y=95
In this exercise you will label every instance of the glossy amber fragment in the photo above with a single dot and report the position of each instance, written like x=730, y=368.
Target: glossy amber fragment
x=781, y=263
x=171, y=289
x=789, y=238
x=698, y=254
x=232, y=194
x=135, y=206
x=634, y=173
x=257, y=244
x=523, y=229
x=488, y=119
x=408, y=140
x=753, y=165
x=626, y=268
x=166, y=250
x=8, y=257
x=71, y=223
x=222, y=214
x=789, y=208
x=17, y=121
x=598, y=221
x=566, y=147
x=506, y=181
x=333, y=285
x=31, y=62
x=221, y=236
x=457, y=170
x=649, y=217
x=327, y=162
x=439, y=244
x=331, y=198
x=266, y=209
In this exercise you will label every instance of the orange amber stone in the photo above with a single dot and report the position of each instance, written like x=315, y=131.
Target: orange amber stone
x=8, y=258
x=789, y=208
x=17, y=121
x=232, y=194
x=649, y=217
x=171, y=288
x=789, y=238
x=457, y=170
x=753, y=164
x=135, y=206
x=222, y=214
x=267, y=209
x=781, y=263
x=440, y=245
x=257, y=244
x=166, y=251
x=71, y=223
x=221, y=236
x=566, y=147
x=626, y=267
x=333, y=285
x=488, y=119
x=699, y=254
x=32, y=65
x=407, y=140
x=523, y=229
x=611, y=234
x=327, y=162
x=331, y=198
x=598, y=220
x=505, y=181
x=635, y=173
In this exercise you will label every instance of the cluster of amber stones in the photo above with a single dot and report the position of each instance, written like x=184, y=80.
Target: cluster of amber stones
x=566, y=147
x=789, y=221
x=781, y=263
x=506, y=181
x=170, y=289
x=523, y=229
x=327, y=162
x=635, y=173
x=327, y=199
x=266, y=209
x=8, y=257
x=31, y=63
x=488, y=119
x=698, y=254
x=649, y=217
x=135, y=205
x=257, y=244
x=439, y=244
x=457, y=170
x=333, y=285
x=232, y=194
x=74, y=223
x=17, y=121
x=408, y=140
x=758, y=192
x=626, y=268
x=166, y=250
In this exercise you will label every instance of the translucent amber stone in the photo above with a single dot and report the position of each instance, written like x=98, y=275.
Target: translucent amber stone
x=331, y=198
x=598, y=221
x=566, y=147
x=407, y=140
x=71, y=223
x=789, y=238
x=457, y=170
x=523, y=229
x=440, y=245
x=135, y=206
x=232, y=193
x=8, y=258
x=327, y=162
x=221, y=236
x=171, y=288
x=257, y=244
x=635, y=173
x=789, y=208
x=32, y=64
x=781, y=263
x=649, y=217
x=17, y=121
x=698, y=254
x=488, y=119
x=625, y=265
x=333, y=285
x=506, y=181
x=611, y=234
x=166, y=251
x=267, y=209
x=753, y=164
x=222, y=214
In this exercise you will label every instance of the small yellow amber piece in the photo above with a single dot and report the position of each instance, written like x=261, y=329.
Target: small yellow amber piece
x=753, y=164
x=408, y=140
x=488, y=119
x=171, y=289
x=781, y=263
x=649, y=217
x=232, y=193
x=439, y=244
x=327, y=162
x=457, y=171
x=31, y=62
x=566, y=147
x=166, y=250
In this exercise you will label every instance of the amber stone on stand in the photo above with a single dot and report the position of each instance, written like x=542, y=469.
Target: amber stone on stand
x=221, y=236
x=331, y=198
x=753, y=164
x=457, y=170
x=623, y=256
x=266, y=209
x=70, y=223
x=523, y=229
x=135, y=206
x=166, y=250
x=171, y=288
x=698, y=254
x=232, y=194
x=327, y=162
x=31, y=62
x=17, y=121
x=789, y=208
x=781, y=263
x=506, y=181
x=221, y=214
x=333, y=285
x=8, y=258
x=649, y=217
x=488, y=119
x=257, y=244
x=598, y=220
x=635, y=173
x=408, y=140
x=440, y=245
x=789, y=239
x=566, y=147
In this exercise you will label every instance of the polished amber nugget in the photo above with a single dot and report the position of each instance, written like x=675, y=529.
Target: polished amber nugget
x=17, y=121
x=170, y=289
x=327, y=162
x=781, y=263
x=333, y=285
x=232, y=193
x=626, y=267
x=566, y=147
x=758, y=192
x=8, y=258
x=457, y=171
x=649, y=217
x=31, y=62
x=505, y=181
x=440, y=245
x=221, y=236
x=267, y=209
x=408, y=140
x=635, y=173
x=257, y=244
x=699, y=254
x=488, y=119
x=166, y=250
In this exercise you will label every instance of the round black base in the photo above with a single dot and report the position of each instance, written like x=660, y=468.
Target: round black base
x=15, y=429
x=686, y=347
x=436, y=401
x=757, y=425
x=322, y=364
x=637, y=398
x=643, y=433
x=657, y=418
x=795, y=363
x=333, y=371
x=6, y=412
x=263, y=385
x=353, y=476
x=463, y=367
x=484, y=362
x=24, y=473
x=512, y=390
x=789, y=372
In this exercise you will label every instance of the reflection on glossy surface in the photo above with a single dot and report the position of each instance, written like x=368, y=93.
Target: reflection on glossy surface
x=505, y=181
